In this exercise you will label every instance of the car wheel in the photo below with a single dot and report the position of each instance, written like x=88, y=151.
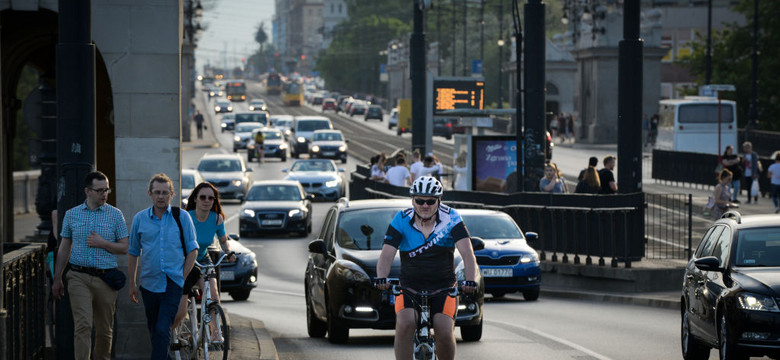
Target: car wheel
x=308, y=229
x=398, y=132
x=448, y=137
x=314, y=326
x=726, y=347
x=344, y=159
x=240, y=295
x=531, y=295
x=498, y=294
x=471, y=332
x=389, y=126
x=337, y=333
x=284, y=158
x=295, y=156
x=235, y=150
x=692, y=349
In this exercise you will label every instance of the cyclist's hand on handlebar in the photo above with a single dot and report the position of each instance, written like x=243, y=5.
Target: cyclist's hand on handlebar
x=381, y=283
x=231, y=256
x=468, y=286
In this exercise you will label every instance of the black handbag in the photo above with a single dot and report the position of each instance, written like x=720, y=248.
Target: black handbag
x=114, y=278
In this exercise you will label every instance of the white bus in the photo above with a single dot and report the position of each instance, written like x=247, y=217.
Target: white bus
x=691, y=125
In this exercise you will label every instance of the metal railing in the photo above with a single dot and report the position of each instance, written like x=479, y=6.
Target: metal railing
x=668, y=226
x=24, y=297
x=25, y=190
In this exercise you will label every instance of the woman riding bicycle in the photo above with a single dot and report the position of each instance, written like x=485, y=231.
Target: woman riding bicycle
x=427, y=235
x=209, y=220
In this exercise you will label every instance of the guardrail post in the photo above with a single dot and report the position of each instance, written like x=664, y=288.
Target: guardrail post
x=612, y=238
x=543, y=253
x=625, y=239
x=554, y=237
x=564, y=236
x=601, y=239
x=690, y=226
x=588, y=259
x=576, y=240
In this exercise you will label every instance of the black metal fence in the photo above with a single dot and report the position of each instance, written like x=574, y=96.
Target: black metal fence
x=668, y=226
x=600, y=226
x=24, y=298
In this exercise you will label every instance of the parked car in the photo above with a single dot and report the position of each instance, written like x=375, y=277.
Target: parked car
x=442, y=127
x=342, y=265
x=238, y=278
x=507, y=262
x=273, y=145
x=374, y=112
x=223, y=106
x=328, y=144
x=243, y=134
x=319, y=177
x=228, y=122
x=258, y=105
x=189, y=179
x=731, y=290
x=329, y=104
x=392, y=121
x=301, y=131
x=228, y=173
x=276, y=206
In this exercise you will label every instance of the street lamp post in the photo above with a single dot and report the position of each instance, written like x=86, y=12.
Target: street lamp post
x=500, y=50
x=753, y=111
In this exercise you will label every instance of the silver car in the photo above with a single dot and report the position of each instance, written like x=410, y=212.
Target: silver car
x=190, y=178
x=228, y=173
x=318, y=177
x=243, y=134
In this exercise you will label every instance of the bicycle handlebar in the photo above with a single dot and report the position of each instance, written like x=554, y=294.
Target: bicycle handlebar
x=219, y=262
x=451, y=291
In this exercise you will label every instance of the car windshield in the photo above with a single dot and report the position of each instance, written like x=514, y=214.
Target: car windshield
x=219, y=165
x=274, y=193
x=313, y=125
x=314, y=165
x=272, y=135
x=255, y=117
x=758, y=247
x=187, y=181
x=258, y=102
x=490, y=226
x=327, y=136
x=247, y=127
x=365, y=229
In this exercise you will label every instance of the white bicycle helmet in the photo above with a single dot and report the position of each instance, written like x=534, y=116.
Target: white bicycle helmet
x=426, y=186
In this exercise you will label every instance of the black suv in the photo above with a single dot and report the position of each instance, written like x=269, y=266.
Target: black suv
x=342, y=265
x=731, y=290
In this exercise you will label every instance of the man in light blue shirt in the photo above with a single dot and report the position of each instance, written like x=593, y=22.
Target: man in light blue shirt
x=155, y=237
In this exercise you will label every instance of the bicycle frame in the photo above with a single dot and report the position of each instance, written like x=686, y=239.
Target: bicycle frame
x=424, y=336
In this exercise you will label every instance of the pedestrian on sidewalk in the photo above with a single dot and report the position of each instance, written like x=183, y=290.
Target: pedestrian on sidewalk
x=552, y=182
x=722, y=195
x=416, y=165
x=162, y=238
x=589, y=182
x=199, y=123
x=733, y=162
x=774, y=174
x=608, y=183
x=752, y=169
x=399, y=175
x=93, y=233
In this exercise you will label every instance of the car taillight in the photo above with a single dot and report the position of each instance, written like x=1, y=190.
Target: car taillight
x=449, y=125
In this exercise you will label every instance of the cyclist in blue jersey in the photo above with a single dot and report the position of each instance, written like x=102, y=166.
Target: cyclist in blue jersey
x=426, y=235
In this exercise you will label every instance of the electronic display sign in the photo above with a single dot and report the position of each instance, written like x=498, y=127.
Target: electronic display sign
x=449, y=94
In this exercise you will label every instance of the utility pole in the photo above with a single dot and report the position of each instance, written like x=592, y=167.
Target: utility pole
x=465, y=32
x=534, y=80
x=630, y=61
x=417, y=63
x=708, y=57
x=500, y=50
x=454, y=40
x=519, y=128
x=75, y=129
x=753, y=111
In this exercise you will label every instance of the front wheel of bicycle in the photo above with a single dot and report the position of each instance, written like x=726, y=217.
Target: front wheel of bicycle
x=214, y=348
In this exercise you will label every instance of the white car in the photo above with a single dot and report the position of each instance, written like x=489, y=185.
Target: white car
x=393, y=120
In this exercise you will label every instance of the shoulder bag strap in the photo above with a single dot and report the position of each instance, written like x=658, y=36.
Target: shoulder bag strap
x=175, y=212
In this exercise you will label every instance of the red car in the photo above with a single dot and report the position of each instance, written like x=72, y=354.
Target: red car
x=329, y=104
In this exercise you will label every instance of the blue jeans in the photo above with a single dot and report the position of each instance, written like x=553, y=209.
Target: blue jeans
x=735, y=189
x=776, y=195
x=161, y=309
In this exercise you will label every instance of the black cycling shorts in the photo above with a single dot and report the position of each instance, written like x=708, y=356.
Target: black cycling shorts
x=441, y=303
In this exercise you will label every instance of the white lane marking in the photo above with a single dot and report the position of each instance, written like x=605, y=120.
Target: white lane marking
x=282, y=292
x=556, y=339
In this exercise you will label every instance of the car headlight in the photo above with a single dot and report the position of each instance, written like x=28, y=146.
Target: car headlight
x=216, y=108
x=283, y=146
x=756, y=302
x=211, y=93
x=230, y=108
x=301, y=139
x=527, y=258
x=315, y=148
x=351, y=272
x=343, y=148
x=224, y=125
x=295, y=213
x=236, y=138
x=248, y=212
x=247, y=260
x=236, y=182
x=287, y=132
x=251, y=108
x=331, y=183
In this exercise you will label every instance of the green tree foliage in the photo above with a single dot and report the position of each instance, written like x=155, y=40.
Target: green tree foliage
x=732, y=50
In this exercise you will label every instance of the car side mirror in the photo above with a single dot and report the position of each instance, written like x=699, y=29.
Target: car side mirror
x=531, y=238
x=309, y=197
x=346, y=141
x=708, y=263
x=249, y=169
x=477, y=243
x=341, y=170
x=318, y=247
x=234, y=237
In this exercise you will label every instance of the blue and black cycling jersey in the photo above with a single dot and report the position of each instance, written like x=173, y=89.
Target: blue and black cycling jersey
x=426, y=263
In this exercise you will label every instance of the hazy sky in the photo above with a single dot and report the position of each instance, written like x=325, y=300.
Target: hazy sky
x=230, y=30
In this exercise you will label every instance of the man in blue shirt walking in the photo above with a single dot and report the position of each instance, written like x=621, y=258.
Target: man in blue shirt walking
x=93, y=233
x=154, y=236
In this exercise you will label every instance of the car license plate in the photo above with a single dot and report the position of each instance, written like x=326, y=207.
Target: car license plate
x=226, y=275
x=328, y=153
x=271, y=222
x=497, y=272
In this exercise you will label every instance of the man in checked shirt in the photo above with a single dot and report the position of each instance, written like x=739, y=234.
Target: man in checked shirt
x=93, y=233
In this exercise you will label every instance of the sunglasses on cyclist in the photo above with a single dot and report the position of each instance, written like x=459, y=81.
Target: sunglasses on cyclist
x=206, y=197
x=424, y=201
